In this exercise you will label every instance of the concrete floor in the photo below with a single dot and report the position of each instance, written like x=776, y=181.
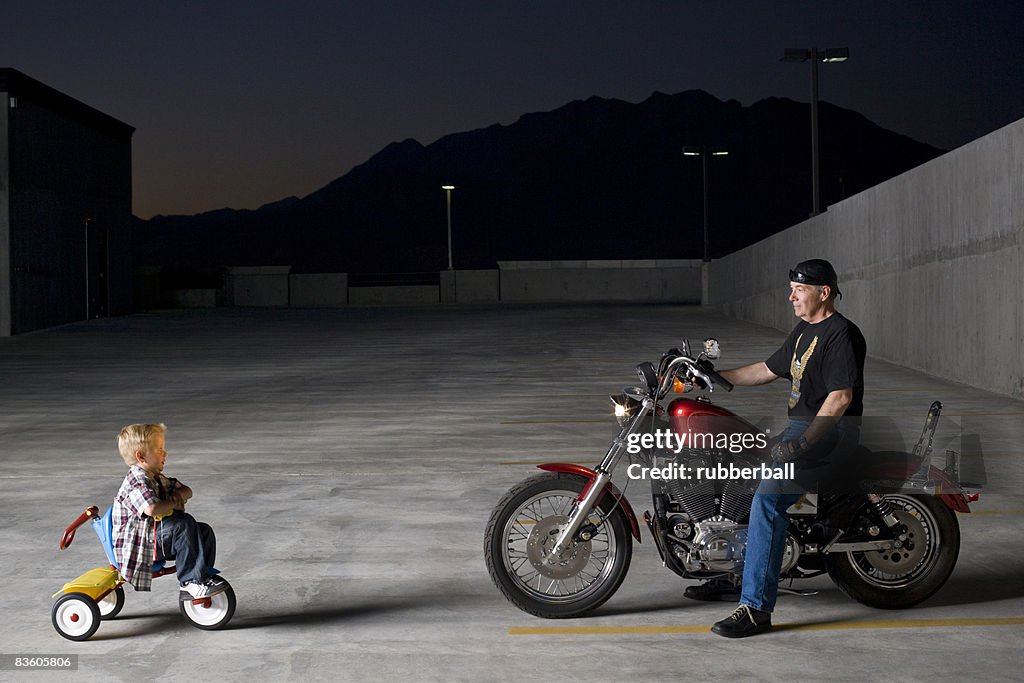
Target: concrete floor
x=348, y=460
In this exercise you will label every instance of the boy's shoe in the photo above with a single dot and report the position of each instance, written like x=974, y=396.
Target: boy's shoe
x=713, y=590
x=206, y=589
x=193, y=591
x=745, y=621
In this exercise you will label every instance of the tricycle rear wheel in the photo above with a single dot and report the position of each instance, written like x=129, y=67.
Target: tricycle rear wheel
x=111, y=604
x=210, y=613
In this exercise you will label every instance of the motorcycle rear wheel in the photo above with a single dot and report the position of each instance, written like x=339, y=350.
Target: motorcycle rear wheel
x=903, y=578
x=522, y=527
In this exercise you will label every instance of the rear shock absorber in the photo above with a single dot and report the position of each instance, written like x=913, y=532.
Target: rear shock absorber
x=884, y=509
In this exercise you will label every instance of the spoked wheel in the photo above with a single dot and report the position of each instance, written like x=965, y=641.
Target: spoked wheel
x=210, y=613
x=523, y=528
x=111, y=604
x=898, y=578
x=75, y=616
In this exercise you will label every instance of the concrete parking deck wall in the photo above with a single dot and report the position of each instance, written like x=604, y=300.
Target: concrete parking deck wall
x=669, y=281
x=930, y=264
x=318, y=290
x=5, y=223
x=261, y=286
x=677, y=281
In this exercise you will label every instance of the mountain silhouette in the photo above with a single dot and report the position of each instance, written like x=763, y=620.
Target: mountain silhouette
x=594, y=179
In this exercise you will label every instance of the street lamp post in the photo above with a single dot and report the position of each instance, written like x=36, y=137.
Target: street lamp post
x=448, y=191
x=704, y=152
x=815, y=55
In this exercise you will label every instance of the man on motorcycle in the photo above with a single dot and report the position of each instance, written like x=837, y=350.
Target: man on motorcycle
x=823, y=358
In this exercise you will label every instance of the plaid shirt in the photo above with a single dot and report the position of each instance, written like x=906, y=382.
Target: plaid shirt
x=132, y=531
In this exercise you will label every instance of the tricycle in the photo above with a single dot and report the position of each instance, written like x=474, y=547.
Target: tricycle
x=98, y=595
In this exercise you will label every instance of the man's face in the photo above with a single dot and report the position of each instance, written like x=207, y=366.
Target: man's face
x=807, y=301
x=152, y=459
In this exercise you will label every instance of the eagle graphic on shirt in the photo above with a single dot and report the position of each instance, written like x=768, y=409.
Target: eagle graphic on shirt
x=797, y=366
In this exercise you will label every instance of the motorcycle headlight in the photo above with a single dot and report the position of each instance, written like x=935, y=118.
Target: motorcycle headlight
x=624, y=407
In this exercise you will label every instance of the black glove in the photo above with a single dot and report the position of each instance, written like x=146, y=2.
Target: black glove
x=787, y=451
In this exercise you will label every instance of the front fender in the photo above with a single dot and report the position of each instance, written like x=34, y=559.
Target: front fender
x=590, y=475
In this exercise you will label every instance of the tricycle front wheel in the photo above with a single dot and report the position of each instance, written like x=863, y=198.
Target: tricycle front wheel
x=75, y=616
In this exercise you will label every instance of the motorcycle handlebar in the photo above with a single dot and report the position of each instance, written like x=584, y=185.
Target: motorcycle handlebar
x=719, y=380
x=707, y=374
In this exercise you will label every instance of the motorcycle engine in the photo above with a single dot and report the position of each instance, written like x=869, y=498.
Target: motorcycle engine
x=700, y=499
x=710, y=527
x=717, y=546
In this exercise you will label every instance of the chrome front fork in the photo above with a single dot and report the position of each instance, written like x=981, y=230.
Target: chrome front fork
x=579, y=515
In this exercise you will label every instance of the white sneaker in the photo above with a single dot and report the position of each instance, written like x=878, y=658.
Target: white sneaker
x=194, y=591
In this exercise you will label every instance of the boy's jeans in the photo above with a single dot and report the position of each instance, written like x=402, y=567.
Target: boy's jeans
x=191, y=545
x=766, y=535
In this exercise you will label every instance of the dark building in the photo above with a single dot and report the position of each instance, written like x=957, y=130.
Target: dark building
x=65, y=208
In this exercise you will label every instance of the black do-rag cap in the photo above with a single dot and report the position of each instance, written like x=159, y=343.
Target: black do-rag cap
x=816, y=271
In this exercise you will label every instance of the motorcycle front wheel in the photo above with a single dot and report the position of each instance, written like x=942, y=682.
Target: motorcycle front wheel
x=518, y=540
x=900, y=578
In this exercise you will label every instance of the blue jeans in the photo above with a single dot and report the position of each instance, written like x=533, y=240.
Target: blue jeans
x=191, y=544
x=766, y=535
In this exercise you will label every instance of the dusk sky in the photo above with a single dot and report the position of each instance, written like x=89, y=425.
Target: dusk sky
x=240, y=104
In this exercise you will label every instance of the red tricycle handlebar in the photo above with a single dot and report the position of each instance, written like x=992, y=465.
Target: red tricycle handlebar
x=69, y=533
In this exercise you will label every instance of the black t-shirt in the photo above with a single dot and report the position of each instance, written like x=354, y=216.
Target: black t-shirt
x=819, y=359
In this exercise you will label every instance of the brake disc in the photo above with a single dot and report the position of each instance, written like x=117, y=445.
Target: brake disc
x=566, y=564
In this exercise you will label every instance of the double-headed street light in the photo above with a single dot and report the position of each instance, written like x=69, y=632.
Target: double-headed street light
x=448, y=191
x=815, y=55
x=704, y=152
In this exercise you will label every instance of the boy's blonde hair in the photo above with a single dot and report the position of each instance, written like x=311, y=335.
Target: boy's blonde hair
x=135, y=438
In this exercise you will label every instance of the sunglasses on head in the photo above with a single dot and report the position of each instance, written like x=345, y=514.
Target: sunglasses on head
x=805, y=279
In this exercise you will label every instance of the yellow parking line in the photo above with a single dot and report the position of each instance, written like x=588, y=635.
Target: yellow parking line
x=905, y=623
x=839, y=626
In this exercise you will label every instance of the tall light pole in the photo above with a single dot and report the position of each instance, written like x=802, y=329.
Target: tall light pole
x=704, y=152
x=448, y=191
x=815, y=55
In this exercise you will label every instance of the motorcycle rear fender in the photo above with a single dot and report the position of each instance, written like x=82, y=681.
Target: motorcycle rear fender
x=947, y=489
x=589, y=475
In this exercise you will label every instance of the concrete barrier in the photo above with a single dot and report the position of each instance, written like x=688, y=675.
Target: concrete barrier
x=398, y=295
x=318, y=290
x=677, y=281
x=476, y=286
x=930, y=264
x=191, y=298
x=258, y=286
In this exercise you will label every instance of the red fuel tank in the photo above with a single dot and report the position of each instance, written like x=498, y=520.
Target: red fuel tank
x=690, y=415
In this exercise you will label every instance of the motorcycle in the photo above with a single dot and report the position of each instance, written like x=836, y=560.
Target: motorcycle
x=559, y=544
